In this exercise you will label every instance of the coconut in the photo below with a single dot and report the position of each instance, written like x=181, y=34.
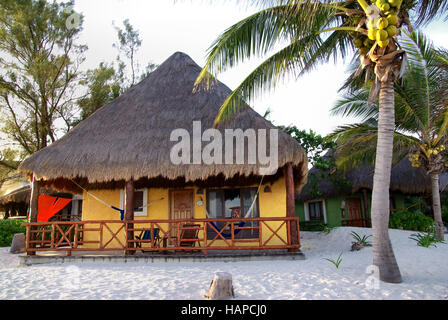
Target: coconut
x=358, y=43
x=372, y=34
x=382, y=23
x=392, y=19
x=392, y=31
x=394, y=3
x=384, y=43
x=367, y=43
x=381, y=35
x=385, y=7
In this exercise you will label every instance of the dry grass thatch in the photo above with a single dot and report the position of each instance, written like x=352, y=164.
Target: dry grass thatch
x=404, y=178
x=130, y=137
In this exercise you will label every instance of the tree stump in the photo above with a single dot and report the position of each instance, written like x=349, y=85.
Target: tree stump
x=18, y=243
x=221, y=287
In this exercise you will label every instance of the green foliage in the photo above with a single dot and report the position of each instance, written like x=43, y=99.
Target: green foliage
x=7, y=230
x=410, y=220
x=417, y=204
x=361, y=240
x=337, y=262
x=427, y=239
x=444, y=204
x=103, y=87
x=312, y=226
x=315, y=145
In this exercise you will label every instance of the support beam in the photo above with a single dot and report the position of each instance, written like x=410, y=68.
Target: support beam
x=129, y=214
x=32, y=214
x=290, y=203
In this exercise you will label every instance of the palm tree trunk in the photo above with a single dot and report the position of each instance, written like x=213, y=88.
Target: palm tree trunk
x=383, y=255
x=436, y=207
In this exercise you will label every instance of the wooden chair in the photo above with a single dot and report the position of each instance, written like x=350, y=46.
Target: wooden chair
x=189, y=235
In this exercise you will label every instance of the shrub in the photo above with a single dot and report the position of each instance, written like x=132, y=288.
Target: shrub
x=409, y=220
x=445, y=215
x=7, y=230
x=312, y=226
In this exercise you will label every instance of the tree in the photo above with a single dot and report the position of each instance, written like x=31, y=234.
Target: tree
x=107, y=82
x=103, y=87
x=421, y=128
x=39, y=70
x=128, y=45
x=302, y=25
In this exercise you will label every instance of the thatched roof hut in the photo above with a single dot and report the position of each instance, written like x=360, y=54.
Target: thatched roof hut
x=15, y=189
x=404, y=178
x=130, y=138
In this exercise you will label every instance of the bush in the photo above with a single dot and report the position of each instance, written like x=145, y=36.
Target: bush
x=445, y=215
x=312, y=226
x=409, y=220
x=7, y=230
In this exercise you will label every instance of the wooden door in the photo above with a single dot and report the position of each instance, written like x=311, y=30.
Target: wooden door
x=355, y=218
x=181, y=206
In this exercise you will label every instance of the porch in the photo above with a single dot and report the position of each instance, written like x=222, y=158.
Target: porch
x=190, y=237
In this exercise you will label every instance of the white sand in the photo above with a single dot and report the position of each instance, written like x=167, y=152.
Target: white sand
x=424, y=272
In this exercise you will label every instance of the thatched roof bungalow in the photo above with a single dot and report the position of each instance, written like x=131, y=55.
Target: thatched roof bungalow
x=120, y=157
x=349, y=203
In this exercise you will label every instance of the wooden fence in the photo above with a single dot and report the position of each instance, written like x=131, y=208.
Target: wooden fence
x=163, y=235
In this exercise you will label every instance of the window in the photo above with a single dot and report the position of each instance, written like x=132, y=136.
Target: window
x=140, y=202
x=232, y=204
x=316, y=211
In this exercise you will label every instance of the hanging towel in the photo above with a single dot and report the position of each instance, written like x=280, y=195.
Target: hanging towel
x=48, y=206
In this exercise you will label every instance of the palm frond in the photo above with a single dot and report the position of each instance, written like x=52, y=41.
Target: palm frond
x=283, y=63
x=427, y=10
x=260, y=32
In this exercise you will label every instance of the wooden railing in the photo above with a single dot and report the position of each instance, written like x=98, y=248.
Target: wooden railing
x=208, y=234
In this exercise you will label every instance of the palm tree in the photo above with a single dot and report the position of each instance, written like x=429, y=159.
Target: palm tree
x=315, y=31
x=421, y=110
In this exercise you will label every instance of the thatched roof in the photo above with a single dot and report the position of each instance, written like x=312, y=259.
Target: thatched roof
x=21, y=195
x=404, y=178
x=130, y=137
x=15, y=188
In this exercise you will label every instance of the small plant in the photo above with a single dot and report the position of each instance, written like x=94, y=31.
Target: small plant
x=327, y=229
x=337, y=262
x=361, y=240
x=426, y=239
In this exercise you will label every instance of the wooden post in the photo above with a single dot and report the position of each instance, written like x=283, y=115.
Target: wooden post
x=129, y=214
x=366, y=208
x=290, y=204
x=34, y=200
x=221, y=287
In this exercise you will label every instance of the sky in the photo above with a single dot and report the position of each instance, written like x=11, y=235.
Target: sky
x=191, y=26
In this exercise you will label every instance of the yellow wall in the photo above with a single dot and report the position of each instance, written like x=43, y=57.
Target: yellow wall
x=271, y=204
